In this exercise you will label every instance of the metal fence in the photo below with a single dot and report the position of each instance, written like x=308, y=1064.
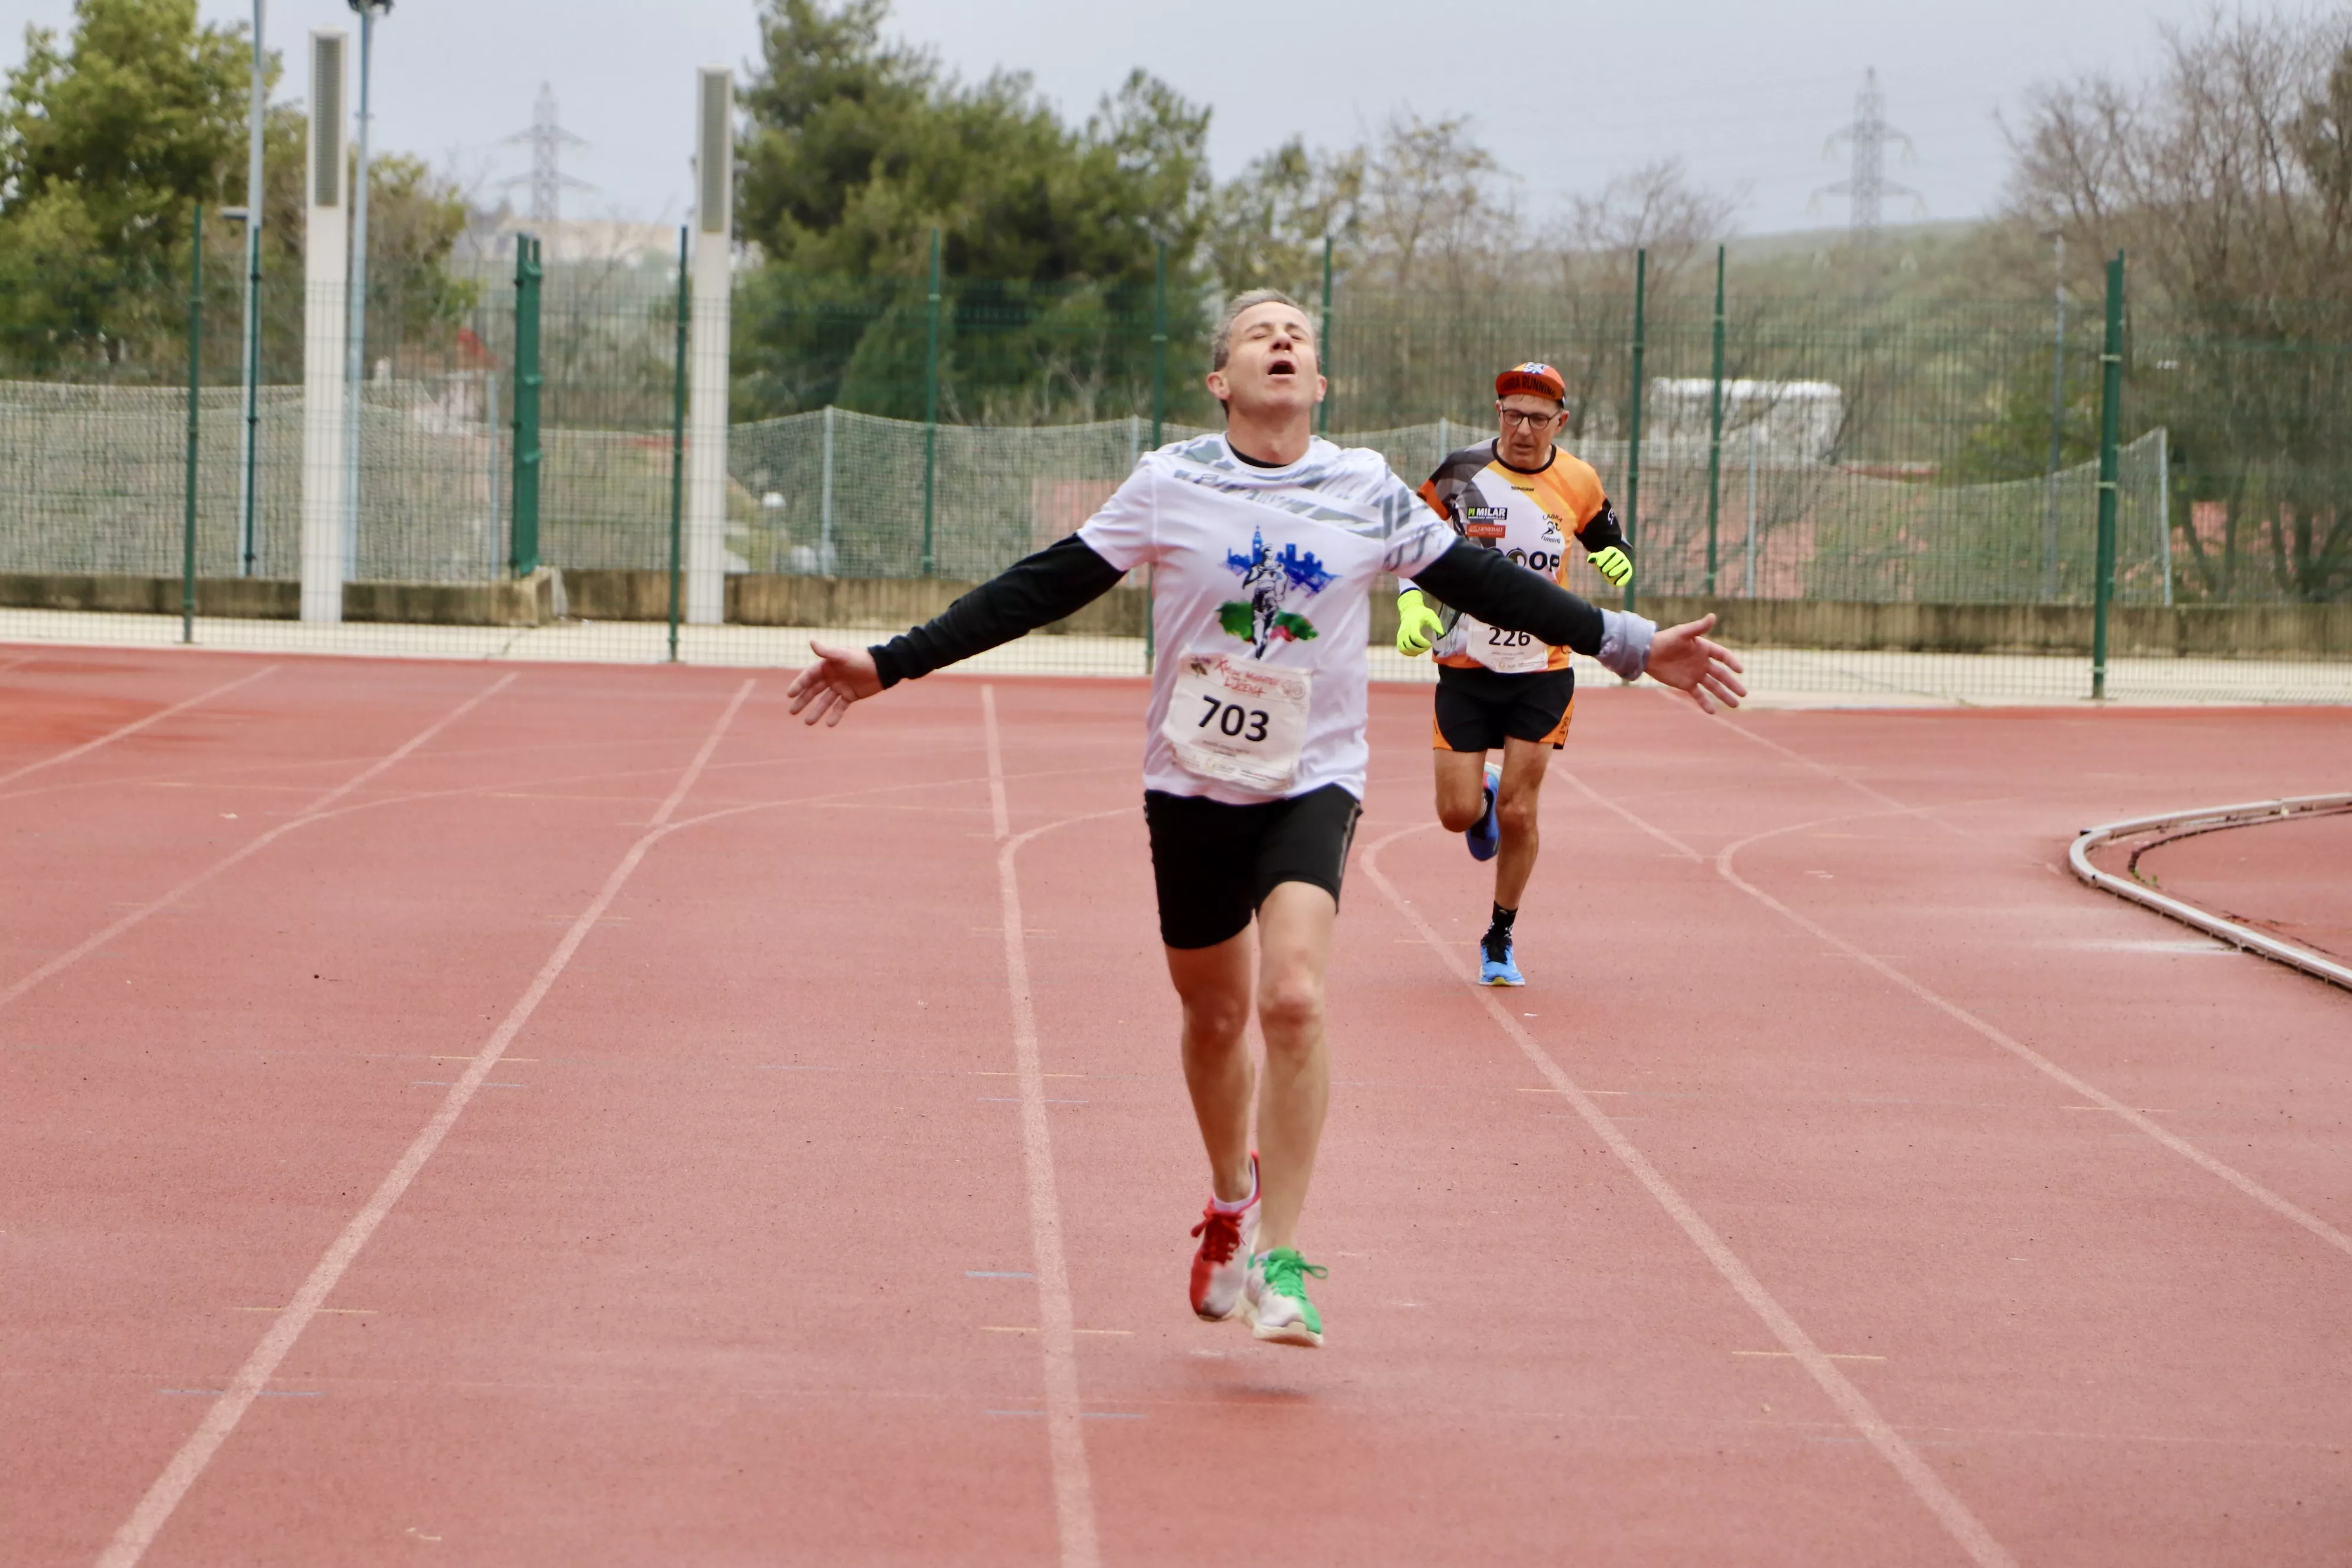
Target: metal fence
x=1827, y=461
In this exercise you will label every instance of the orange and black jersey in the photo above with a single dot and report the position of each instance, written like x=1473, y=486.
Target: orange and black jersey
x=1528, y=517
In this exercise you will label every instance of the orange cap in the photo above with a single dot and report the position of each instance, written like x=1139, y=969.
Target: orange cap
x=1534, y=378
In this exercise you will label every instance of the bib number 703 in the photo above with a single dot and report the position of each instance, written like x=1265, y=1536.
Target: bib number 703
x=1233, y=720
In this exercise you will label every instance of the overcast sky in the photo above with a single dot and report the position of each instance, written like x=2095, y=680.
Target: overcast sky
x=1565, y=94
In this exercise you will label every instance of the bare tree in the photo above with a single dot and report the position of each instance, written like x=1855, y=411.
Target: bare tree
x=1655, y=209
x=1437, y=211
x=2228, y=182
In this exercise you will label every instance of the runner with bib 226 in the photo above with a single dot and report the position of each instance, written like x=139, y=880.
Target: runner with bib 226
x=1501, y=689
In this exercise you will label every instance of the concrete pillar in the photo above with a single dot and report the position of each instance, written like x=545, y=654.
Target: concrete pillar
x=326, y=254
x=706, y=418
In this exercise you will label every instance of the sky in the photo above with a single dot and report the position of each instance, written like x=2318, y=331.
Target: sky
x=1567, y=95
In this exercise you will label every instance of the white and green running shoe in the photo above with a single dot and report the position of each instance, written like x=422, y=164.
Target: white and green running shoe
x=1276, y=1299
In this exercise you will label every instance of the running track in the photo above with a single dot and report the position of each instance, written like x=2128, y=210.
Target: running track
x=560, y=1115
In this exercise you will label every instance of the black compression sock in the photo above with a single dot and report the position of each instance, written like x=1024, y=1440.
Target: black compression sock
x=1498, y=940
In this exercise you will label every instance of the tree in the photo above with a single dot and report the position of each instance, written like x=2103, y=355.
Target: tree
x=2228, y=182
x=106, y=143
x=857, y=148
x=1267, y=224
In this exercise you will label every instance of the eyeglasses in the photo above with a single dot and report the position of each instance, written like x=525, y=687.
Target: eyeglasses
x=1532, y=421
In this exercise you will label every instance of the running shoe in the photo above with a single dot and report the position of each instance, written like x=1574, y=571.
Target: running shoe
x=1221, y=1268
x=1486, y=834
x=1276, y=1298
x=1497, y=963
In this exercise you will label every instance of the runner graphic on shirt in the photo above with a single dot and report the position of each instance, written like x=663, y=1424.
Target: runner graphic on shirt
x=1271, y=581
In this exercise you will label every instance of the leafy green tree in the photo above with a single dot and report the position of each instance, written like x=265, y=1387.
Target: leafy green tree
x=858, y=147
x=106, y=142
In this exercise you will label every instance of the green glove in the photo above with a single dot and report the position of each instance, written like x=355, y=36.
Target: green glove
x=1418, y=625
x=1613, y=564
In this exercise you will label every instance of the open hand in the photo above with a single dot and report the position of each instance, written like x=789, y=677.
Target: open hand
x=840, y=677
x=1685, y=659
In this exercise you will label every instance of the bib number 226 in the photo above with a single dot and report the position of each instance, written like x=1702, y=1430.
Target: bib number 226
x=1233, y=718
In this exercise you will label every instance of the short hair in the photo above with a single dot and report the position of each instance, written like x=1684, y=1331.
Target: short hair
x=1221, y=347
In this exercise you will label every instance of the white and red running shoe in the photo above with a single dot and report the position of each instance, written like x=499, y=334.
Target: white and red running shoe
x=1221, y=1268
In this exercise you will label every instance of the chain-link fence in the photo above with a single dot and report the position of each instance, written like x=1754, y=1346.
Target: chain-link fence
x=1844, y=483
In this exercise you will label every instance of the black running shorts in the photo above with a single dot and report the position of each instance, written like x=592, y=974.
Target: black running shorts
x=1478, y=709
x=1215, y=864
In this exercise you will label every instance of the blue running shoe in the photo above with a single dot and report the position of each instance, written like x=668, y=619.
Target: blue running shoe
x=1486, y=834
x=1498, y=963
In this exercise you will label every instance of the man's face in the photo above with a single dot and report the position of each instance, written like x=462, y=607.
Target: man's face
x=1270, y=366
x=1528, y=423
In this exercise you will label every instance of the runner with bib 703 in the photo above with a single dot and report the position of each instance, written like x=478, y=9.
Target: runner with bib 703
x=1267, y=542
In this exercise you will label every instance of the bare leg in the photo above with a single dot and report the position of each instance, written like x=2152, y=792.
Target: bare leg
x=1295, y=950
x=1514, y=812
x=1461, y=789
x=1213, y=985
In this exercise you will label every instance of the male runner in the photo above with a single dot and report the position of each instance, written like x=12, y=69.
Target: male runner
x=1267, y=542
x=1522, y=498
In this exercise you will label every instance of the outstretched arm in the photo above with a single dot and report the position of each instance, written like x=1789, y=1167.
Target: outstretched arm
x=1059, y=580
x=1501, y=593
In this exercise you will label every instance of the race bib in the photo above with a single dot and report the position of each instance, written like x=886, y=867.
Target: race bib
x=1505, y=653
x=1237, y=721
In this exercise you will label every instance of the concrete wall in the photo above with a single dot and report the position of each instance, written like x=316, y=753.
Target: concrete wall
x=888, y=604
x=2293, y=631
x=2264, y=631
x=527, y=602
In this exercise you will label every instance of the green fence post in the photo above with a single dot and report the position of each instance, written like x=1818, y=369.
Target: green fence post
x=1715, y=429
x=2111, y=422
x=1159, y=414
x=1634, y=442
x=677, y=452
x=1323, y=344
x=195, y=384
x=522, y=553
x=931, y=416
x=1158, y=342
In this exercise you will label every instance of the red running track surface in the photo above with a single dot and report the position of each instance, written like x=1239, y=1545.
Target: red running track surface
x=579, y=1115
x=2291, y=878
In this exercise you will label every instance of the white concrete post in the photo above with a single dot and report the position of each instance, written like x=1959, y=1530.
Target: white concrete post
x=326, y=251
x=705, y=418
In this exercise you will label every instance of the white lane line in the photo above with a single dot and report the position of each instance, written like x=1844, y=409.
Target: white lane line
x=1924, y=1484
x=2035, y=1059
x=139, y=1532
x=2105, y=1101
x=308, y=813
x=1074, y=1506
x=134, y=727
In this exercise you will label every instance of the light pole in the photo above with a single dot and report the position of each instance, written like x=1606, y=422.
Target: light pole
x=257, y=106
x=355, y=371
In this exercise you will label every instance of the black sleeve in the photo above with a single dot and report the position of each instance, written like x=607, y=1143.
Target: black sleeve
x=1059, y=580
x=1502, y=593
x=1601, y=530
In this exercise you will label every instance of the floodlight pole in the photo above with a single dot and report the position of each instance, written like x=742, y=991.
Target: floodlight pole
x=355, y=364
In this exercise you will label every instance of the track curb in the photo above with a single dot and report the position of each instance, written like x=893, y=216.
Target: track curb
x=2175, y=825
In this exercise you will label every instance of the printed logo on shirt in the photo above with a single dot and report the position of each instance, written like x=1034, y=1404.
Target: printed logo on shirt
x=1486, y=521
x=1272, y=584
